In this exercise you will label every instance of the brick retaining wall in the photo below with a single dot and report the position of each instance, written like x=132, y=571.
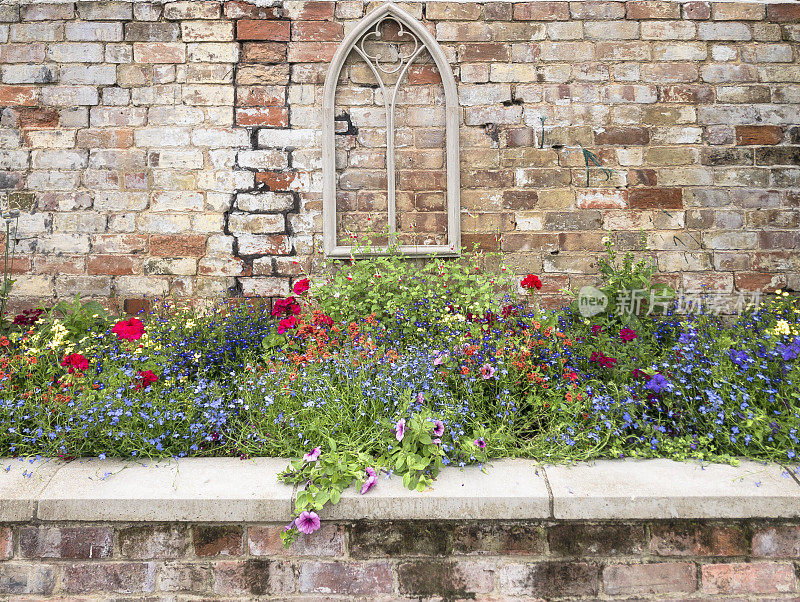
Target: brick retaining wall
x=405, y=560
x=173, y=147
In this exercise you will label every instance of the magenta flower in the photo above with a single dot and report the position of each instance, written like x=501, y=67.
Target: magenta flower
x=307, y=522
x=400, y=429
x=627, y=334
x=437, y=441
x=480, y=443
x=487, y=371
x=371, y=481
x=438, y=428
x=420, y=397
x=313, y=455
x=440, y=359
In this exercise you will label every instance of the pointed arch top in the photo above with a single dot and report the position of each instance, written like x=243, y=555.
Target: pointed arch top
x=390, y=10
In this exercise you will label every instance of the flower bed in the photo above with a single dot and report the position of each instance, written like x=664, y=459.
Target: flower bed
x=396, y=368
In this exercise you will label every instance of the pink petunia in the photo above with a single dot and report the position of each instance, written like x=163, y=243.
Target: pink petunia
x=287, y=324
x=400, y=429
x=301, y=286
x=440, y=359
x=75, y=362
x=420, y=397
x=487, y=371
x=129, y=330
x=313, y=455
x=438, y=428
x=307, y=522
x=480, y=443
x=372, y=480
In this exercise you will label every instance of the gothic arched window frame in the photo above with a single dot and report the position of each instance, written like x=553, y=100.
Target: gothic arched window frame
x=452, y=121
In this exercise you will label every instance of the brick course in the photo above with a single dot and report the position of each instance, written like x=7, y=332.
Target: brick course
x=152, y=118
x=406, y=560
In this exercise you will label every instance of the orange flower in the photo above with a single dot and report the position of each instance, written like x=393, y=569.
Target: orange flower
x=4, y=342
x=536, y=325
x=569, y=397
x=464, y=370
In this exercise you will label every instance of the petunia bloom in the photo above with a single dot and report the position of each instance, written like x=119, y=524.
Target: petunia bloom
x=438, y=428
x=129, y=330
x=531, y=281
x=145, y=378
x=286, y=306
x=372, y=480
x=487, y=371
x=301, y=286
x=307, y=522
x=400, y=429
x=627, y=334
x=287, y=324
x=480, y=443
x=313, y=455
x=75, y=362
x=440, y=359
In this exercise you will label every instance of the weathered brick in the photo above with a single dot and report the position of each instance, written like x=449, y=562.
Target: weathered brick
x=266, y=541
x=159, y=52
x=215, y=540
x=655, y=198
x=66, y=542
x=248, y=29
x=541, y=11
x=622, y=136
x=445, y=578
x=655, y=578
x=152, y=32
x=777, y=541
x=27, y=579
x=192, y=9
x=253, y=577
x=122, y=578
x=697, y=539
x=499, y=539
x=749, y=578
x=550, y=579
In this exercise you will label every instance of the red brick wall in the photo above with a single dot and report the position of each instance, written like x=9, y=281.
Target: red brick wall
x=405, y=560
x=174, y=147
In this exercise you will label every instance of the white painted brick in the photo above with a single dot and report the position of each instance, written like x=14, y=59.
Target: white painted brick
x=94, y=32
x=161, y=136
x=177, y=201
x=120, y=201
x=263, y=159
x=75, y=52
x=218, y=138
x=59, y=96
x=59, y=159
x=287, y=138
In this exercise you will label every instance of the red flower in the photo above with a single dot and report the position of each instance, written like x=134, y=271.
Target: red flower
x=76, y=362
x=603, y=360
x=597, y=329
x=321, y=319
x=145, y=379
x=301, y=286
x=285, y=306
x=637, y=373
x=531, y=281
x=130, y=330
x=286, y=324
x=627, y=334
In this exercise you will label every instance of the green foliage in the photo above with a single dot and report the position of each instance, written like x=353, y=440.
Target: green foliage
x=77, y=318
x=391, y=284
x=628, y=284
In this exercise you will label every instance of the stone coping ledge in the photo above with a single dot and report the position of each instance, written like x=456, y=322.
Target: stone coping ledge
x=233, y=490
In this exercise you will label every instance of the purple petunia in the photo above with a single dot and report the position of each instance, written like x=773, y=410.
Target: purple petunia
x=480, y=443
x=438, y=428
x=400, y=429
x=313, y=455
x=307, y=522
x=372, y=479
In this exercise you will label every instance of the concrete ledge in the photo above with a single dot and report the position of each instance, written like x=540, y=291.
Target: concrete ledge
x=233, y=490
